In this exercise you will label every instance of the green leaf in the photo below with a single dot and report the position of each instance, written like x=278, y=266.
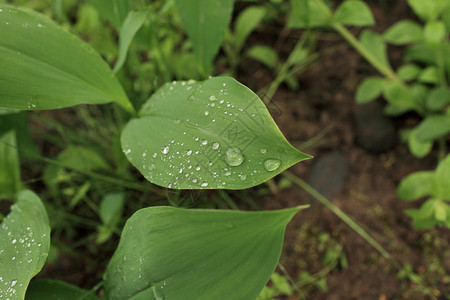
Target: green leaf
x=246, y=22
x=370, y=89
x=416, y=185
x=56, y=290
x=173, y=253
x=408, y=72
x=404, y=32
x=434, y=33
x=433, y=127
x=130, y=27
x=45, y=67
x=114, y=11
x=111, y=208
x=429, y=75
x=399, y=95
x=82, y=158
x=265, y=55
x=207, y=135
x=17, y=121
x=25, y=242
x=441, y=184
x=10, y=182
x=375, y=45
x=308, y=14
x=423, y=218
x=418, y=148
x=354, y=12
x=427, y=10
x=437, y=99
x=205, y=22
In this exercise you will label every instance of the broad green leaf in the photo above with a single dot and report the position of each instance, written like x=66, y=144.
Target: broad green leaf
x=265, y=55
x=422, y=53
x=5, y=111
x=418, y=148
x=399, y=95
x=130, y=27
x=375, y=45
x=173, y=253
x=56, y=290
x=441, y=185
x=114, y=11
x=433, y=127
x=370, y=89
x=434, y=33
x=354, y=12
x=205, y=22
x=416, y=185
x=246, y=22
x=24, y=244
x=207, y=135
x=9, y=165
x=45, y=67
x=408, y=72
x=308, y=14
x=404, y=32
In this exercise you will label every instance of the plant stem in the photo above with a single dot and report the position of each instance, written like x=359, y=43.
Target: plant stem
x=385, y=70
x=344, y=217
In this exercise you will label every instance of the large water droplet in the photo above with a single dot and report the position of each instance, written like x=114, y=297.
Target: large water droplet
x=272, y=164
x=233, y=157
x=263, y=150
x=165, y=149
x=215, y=146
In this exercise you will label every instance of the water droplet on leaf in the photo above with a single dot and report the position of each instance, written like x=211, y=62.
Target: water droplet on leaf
x=233, y=157
x=272, y=164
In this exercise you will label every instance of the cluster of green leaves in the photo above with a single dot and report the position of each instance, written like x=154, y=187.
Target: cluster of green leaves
x=419, y=85
x=434, y=185
x=164, y=252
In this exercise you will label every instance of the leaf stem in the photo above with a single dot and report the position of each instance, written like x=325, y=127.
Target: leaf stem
x=343, y=216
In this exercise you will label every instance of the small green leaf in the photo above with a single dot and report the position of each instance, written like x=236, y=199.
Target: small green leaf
x=10, y=182
x=25, y=242
x=427, y=10
x=429, y=75
x=416, y=185
x=45, y=67
x=441, y=184
x=264, y=55
x=423, y=218
x=205, y=22
x=131, y=25
x=111, y=208
x=404, y=32
x=207, y=135
x=433, y=127
x=56, y=290
x=82, y=158
x=354, y=12
x=434, y=33
x=370, y=89
x=418, y=148
x=408, y=72
x=246, y=22
x=440, y=211
x=399, y=95
x=375, y=45
x=173, y=253
x=437, y=99
x=308, y=14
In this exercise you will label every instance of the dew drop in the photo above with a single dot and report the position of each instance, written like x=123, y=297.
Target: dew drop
x=204, y=142
x=165, y=149
x=263, y=150
x=233, y=157
x=212, y=98
x=243, y=177
x=204, y=184
x=215, y=146
x=272, y=164
x=189, y=152
x=206, y=113
x=13, y=283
